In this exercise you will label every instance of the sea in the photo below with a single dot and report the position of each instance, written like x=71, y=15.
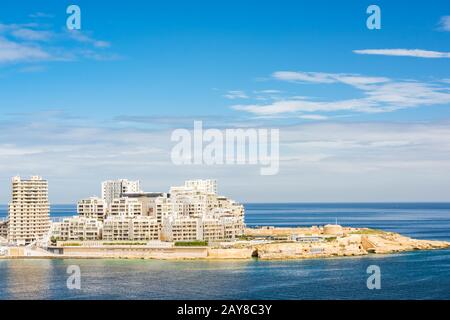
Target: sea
x=411, y=275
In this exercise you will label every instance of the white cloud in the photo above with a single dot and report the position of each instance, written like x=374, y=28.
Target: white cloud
x=7, y=150
x=84, y=37
x=291, y=106
x=17, y=52
x=444, y=23
x=315, y=77
x=236, y=94
x=418, y=53
x=32, y=42
x=32, y=35
x=380, y=94
x=321, y=77
x=313, y=117
x=321, y=161
x=268, y=91
x=40, y=15
x=394, y=95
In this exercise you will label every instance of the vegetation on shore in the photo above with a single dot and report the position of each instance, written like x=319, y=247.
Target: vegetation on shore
x=367, y=231
x=125, y=243
x=191, y=243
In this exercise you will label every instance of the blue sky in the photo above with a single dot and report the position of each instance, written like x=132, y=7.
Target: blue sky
x=112, y=92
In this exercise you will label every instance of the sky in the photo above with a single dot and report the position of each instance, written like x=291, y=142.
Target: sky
x=363, y=114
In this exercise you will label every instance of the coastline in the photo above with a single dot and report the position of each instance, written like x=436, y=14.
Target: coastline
x=267, y=243
x=208, y=259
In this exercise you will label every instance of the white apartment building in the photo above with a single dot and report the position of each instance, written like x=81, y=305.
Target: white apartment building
x=162, y=208
x=93, y=207
x=193, y=206
x=204, y=186
x=181, y=229
x=29, y=210
x=195, y=198
x=126, y=207
x=77, y=229
x=228, y=207
x=113, y=189
x=126, y=228
x=233, y=227
x=148, y=201
x=189, y=212
x=207, y=228
x=212, y=229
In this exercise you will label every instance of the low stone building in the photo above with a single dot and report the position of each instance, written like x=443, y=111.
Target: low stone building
x=333, y=229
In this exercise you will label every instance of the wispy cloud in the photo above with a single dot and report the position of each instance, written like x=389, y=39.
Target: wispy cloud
x=34, y=42
x=313, y=117
x=67, y=149
x=40, y=15
x=444, y=23
x=320, y=77
x=418, y=53
x=17, y=52
x=85, y=37
x=236, y=94
x=32, y=35
x=268, y=91
x=26, y=31
x=380, y=94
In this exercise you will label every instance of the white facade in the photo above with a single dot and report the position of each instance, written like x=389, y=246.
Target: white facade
x=163, y=208
x=189, y=212
x=207, y=228
x=113, y=189
x=92, y=208
x=29, y=210
x=126, y=207
x=204, y=186
x=181, y=229
x=123, y=228
x=77, y=229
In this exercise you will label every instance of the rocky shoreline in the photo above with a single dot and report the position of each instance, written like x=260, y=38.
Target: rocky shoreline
x=351, y=245
x=266, y=243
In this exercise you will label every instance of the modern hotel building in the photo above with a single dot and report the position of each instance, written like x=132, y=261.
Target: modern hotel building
x=29, y=211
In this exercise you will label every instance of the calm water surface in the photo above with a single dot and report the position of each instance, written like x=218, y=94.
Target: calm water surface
x=414, y=275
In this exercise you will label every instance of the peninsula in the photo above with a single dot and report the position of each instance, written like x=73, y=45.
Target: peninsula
x=265, y=243
x=191, y=221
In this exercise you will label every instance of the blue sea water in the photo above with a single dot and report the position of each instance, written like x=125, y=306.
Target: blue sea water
x=412, y=275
